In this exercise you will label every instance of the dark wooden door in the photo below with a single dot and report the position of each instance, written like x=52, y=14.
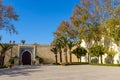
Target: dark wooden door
x=26, y=58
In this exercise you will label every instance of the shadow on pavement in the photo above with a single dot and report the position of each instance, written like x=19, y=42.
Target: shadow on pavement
x=20, y=70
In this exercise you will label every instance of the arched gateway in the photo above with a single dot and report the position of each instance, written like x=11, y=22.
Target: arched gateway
x=26, y=58
x=27, y=54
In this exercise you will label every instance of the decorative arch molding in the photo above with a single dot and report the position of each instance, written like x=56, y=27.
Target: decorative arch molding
x=26, y=51
x=30, y=50
x=26, y=58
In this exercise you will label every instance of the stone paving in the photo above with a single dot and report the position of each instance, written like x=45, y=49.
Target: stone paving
x=51, y=72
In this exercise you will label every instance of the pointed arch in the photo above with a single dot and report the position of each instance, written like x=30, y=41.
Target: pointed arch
x=26, y=58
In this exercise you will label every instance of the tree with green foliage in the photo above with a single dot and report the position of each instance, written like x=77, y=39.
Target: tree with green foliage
x=56, y=42
x=113, y=29
x=70, y=46
x=89, y=20
x=79, y=52
x=5, y=47
x=64, y=42
x=97, y=50
x=95, y=22
x=54, y=50
x=86, y=20
x=59, y=46
x=62, y=33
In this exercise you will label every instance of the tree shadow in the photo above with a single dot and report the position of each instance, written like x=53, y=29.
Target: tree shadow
x=20, y=70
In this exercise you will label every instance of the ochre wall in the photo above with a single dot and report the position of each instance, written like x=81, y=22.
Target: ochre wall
x=41, y=50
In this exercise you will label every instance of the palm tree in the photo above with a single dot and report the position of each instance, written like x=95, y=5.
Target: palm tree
x=13, y=42
x=56, y=42
x=70, y=46
x=62, y=34
x=54, y=50
x=59, y=47
x=5, y=47
x=23, y=42
x=64, y=42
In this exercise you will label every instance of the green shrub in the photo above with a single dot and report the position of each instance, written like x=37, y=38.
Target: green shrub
x=11, y=60
x=106, y=64
x=41, y=60
x=78, y=63
x=37, y=57
x=109, y=59
x=56, y=64
x=3, y=66
x=16, y=57
x=75, y=63
x=95, y=60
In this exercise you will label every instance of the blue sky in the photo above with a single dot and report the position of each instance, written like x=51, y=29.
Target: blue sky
x=38, y=19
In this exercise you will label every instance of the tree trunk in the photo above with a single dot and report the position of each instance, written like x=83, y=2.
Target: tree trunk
x=80, y=58
x=56, y=59
x=112, y=60
x=11, y=52
x=98, y=59
x=101, y=60
x=0, y=60
x=88, y=58
x=70, y=57
x=65, y=53
x=66, y=58
x=60, y=56
x=3, y=58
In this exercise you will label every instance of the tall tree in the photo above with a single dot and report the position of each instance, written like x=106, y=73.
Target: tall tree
x=70, y=46
x=62, y=34
x=89, y=16
x=113, y=29
x=59, y=46
x=97, y=50
x=7, y=16
x=54, y=50
x=56, y=42
x=5, y=47
x=64, y=42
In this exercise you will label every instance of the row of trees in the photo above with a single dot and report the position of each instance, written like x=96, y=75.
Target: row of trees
x=96, y=22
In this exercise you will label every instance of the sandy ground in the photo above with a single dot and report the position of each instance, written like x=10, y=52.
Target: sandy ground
x=51, y=72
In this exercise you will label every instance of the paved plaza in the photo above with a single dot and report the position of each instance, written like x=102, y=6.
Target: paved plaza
x=52, y=72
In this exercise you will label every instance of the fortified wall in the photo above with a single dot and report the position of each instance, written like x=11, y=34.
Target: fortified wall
x=27, y=54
